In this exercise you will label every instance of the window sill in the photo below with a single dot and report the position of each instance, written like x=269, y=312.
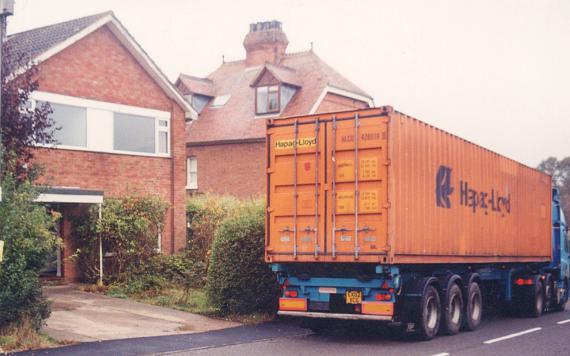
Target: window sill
x=191, y=188
x=91, y=150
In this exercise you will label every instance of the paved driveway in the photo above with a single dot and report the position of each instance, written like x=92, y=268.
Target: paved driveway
x=81, y=316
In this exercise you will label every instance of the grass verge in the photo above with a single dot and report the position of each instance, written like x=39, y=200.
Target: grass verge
x=23, y=337
x=191, y=301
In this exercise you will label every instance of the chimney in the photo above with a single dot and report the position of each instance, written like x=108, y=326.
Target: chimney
x=265, y=43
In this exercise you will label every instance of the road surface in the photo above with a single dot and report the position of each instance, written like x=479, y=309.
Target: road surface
x=548, y=335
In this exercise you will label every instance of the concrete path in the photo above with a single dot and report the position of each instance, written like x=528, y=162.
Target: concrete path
x=80, y=316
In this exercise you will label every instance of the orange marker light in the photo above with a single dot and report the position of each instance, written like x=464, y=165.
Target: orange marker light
x=294, y=304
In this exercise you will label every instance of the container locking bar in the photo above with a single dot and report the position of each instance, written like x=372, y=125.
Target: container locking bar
x=295, y=193
x=333, y=157
x=356, y=191
x=317, y=188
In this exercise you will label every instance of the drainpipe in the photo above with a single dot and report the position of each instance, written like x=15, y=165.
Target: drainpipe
x=100, y=283
x=172, y=178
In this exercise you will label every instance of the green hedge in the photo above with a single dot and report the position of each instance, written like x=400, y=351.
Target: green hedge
x=239, y=280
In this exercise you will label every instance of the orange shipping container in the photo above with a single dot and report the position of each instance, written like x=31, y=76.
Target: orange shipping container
x=416, y=194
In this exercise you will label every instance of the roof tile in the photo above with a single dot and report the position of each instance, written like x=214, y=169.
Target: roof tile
x=237, y=119
x=33, y=43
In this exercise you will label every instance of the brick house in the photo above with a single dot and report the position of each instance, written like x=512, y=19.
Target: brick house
x=122, y=124
x=226, y=144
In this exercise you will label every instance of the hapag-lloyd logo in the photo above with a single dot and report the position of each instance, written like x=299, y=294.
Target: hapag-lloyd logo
x=443, y=188
x=302, y=142
x=487, y=200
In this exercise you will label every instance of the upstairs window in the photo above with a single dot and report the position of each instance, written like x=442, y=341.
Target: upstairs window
x=267, y=99
x=70, y=123
x=134, y=133
x=96, y=126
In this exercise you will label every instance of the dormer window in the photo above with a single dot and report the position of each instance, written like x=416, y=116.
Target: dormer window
x=267, y=99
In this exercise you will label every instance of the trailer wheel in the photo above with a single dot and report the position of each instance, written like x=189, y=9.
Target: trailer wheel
x=473, y=307
x=452, y=315
x=537, y=303
x=428, y=318
x=562, y=304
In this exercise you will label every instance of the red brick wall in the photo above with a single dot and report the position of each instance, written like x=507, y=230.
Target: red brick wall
x=69, y=265
x=333, y=102
x=98, y=67
x=234, y=169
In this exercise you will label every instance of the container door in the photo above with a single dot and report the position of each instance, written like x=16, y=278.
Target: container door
x=296, y=172
x=358, y=192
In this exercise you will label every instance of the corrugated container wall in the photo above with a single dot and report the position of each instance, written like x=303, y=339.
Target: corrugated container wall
x=416, y=195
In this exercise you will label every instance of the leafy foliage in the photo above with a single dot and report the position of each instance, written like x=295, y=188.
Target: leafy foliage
x=239, y=280
x=560, y=171
x=205, y=213
x=27, y=230
x=23, y=125
x=129, y=229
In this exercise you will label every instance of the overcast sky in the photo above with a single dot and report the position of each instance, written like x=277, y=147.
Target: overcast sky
x=494, y=72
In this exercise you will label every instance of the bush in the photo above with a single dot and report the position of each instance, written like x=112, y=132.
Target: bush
x=239, y=280
x=205, y=213
x=129, y=229
x=27, y=230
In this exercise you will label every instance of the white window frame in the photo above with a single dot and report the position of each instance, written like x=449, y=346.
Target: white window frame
x=270, y=89
x=191, y=185
x=112, y=108
x=158, y=130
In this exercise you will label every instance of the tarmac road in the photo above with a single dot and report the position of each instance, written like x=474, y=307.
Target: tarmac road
x=548, y=335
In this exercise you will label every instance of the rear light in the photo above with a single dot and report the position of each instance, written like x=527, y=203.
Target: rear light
x=291, y=293
x=385, y=285
x=357, y=309
x=524, y=282
x=383, y=296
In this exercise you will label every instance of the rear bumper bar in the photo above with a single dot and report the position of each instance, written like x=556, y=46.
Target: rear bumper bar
x=336, y=315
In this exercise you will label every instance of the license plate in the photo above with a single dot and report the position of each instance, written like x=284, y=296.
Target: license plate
x=353, y=297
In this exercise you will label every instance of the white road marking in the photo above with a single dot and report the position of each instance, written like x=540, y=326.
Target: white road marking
x=563, y=322
x=442, y=354
x=506, y=337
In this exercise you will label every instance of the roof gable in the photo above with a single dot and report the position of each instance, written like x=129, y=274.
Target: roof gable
x=274, y=74
x=193, y=85
x=42, y=43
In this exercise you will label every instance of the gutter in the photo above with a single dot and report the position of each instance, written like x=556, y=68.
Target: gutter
x=226, y=142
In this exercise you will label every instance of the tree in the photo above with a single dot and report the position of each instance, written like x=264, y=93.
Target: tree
x=560, y=172
x=27, y=228
x=23, y=125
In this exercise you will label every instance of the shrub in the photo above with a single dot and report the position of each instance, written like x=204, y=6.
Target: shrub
x=129, y=229
x=27, y=230
x=205, y=213
x=239, y=280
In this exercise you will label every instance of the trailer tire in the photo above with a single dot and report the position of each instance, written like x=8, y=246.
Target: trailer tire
x=453, y=311
x=429, y=315
x=537, y=302
x=473, y=307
